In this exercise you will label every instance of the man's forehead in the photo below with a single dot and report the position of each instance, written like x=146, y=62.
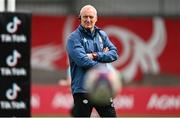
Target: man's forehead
x=88, y=12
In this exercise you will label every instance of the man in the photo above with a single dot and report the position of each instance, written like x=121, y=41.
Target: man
x=87, y=47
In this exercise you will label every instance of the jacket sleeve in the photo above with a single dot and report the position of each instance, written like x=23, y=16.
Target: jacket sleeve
x=77, y=53
x=109, y=56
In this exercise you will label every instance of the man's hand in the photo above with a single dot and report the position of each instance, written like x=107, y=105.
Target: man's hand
x=94, y=54
x=90, y=56
x=106, y=49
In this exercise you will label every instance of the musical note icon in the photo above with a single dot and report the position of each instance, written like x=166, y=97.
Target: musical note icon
x=12, y=93
x=13, y=26
x=13, y=59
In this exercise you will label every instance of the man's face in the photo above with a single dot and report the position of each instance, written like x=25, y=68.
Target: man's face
x=88, y=18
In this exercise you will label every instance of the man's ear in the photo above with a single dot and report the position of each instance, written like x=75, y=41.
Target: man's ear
x=79, y=17
x=96, y=18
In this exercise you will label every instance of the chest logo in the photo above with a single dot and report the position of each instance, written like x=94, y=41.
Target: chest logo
x=85, y=40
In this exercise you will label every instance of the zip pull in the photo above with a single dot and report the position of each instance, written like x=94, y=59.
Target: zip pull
x=101, y=42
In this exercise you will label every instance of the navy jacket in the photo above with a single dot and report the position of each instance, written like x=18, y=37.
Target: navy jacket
x=79, y=43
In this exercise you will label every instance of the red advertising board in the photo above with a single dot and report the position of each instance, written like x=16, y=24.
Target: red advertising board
x=145, y=44
x=138, y=101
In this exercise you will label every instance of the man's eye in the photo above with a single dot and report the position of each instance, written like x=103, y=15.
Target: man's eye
x=85, y=16
x=91, y=17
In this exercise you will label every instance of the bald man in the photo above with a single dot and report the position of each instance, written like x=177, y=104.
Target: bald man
x=87, y=47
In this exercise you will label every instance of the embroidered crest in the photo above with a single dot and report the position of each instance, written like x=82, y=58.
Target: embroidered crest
x=85, y=40
x=100, y=39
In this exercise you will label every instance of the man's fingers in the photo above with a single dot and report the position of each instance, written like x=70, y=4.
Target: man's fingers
x=90, y=56
x=105, y=49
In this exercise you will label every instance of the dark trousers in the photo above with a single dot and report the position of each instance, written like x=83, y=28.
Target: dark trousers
x=83, y=107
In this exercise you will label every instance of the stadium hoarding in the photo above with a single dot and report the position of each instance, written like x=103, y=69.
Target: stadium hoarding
x=147, y=45
x=131, y=101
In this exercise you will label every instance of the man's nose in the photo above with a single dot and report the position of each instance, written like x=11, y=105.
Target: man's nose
x=88, y=19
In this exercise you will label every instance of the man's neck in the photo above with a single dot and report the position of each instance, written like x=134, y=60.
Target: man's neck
x=89, y=30
x=92, y=30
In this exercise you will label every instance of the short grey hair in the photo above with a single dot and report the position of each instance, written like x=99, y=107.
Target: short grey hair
x=88, y=6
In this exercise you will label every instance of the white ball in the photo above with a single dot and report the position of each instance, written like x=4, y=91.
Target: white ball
x=102, y=84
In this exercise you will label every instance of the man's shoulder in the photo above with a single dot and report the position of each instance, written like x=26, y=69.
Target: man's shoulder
x=102, y=32
x=74, y=34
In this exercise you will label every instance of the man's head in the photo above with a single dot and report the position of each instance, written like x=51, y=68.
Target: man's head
x=88, y=17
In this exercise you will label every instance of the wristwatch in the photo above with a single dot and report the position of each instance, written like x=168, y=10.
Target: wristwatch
x=94, y=54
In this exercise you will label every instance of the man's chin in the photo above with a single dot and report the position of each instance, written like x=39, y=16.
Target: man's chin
x=88, y=27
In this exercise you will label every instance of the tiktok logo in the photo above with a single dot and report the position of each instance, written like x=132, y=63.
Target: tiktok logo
x=12, y=93
x=13, y=59
x=13, y=26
